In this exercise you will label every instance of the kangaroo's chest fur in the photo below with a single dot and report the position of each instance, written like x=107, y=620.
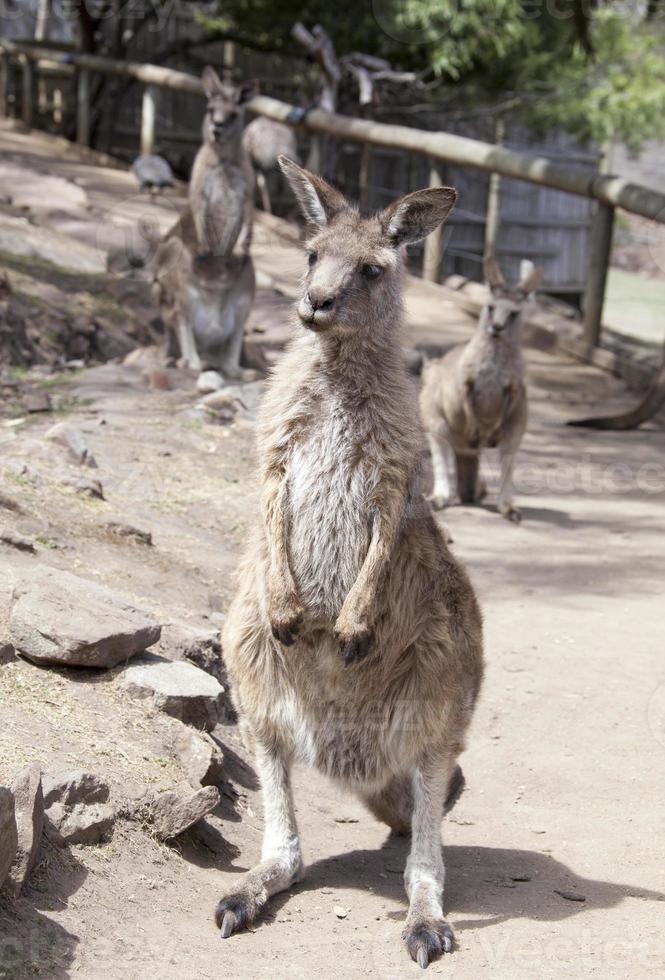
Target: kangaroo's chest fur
x=490, y=374
x=330, y=480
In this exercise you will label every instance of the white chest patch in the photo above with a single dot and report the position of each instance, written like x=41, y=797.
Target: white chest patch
x=329, y=513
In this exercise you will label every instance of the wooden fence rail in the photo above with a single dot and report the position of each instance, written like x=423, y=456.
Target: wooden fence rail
x=608, y=191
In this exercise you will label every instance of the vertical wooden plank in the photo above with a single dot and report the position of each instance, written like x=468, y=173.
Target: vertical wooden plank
x=148, y=118
x=493, y=202
x=434, y=242
x=4, y=85
x=28, y=78
x=600, y=250
x=83, y=107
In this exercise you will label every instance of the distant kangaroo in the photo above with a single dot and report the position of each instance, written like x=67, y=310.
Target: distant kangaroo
x=354, y=641
x=221, y=187
x=265, y=140
x=475, y=397
x=203, y=290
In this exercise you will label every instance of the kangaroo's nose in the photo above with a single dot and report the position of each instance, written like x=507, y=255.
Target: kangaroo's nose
x=320, y=302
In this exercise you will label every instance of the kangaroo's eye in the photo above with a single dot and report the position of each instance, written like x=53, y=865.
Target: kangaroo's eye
x=490, y=310
x=371, y=271
x=311, y=258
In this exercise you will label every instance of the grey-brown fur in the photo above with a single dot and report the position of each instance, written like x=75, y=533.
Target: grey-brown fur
x=264, y=141
x=475, y=398
x=221, y=187
x=204, y=291
x=354, y=640
x=204, y=301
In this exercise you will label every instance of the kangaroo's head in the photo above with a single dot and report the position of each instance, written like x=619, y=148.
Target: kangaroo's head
x=503, y=313
x=353, y=280
x=225, y=112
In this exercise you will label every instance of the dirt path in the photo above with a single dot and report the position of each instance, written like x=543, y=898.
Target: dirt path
x=566, y=757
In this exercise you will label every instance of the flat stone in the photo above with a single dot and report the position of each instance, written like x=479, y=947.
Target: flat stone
x=37, y=401
x=178, y=688
x=17, y=541
x=73, y=441
x=8, y=833
x=173, y=814
x=209, y=381
x=73, y=787
x=59, y=618
x=29, y=812
x=82, y=823
x=200, y=757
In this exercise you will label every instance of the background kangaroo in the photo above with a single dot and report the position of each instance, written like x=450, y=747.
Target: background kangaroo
x=354, y=641
x=203, y=290
x=221, y=187
x=475, y=397
x=264, y=141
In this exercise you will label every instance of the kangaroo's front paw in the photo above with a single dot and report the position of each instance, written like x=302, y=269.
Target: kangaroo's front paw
x=355, y=639
x=426, y=939
x=286, y=616
x=513, y=514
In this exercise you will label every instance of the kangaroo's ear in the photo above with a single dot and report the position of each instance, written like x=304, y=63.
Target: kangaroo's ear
x=212, y=83
x=319, y=201
x=414, y=217
x=531, y=277
x=493, y=274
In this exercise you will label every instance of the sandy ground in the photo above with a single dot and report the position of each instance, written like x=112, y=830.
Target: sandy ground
x=566, y=757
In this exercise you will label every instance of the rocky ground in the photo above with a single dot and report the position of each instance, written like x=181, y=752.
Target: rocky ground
x=117, y=481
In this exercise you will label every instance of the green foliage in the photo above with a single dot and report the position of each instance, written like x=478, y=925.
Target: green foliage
x=597, y=71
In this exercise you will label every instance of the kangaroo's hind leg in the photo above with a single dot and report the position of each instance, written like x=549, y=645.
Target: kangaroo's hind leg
x=281, y=857
x=427, y=934
x=393, y=805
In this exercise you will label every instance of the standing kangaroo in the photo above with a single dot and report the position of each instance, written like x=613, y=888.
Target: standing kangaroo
x=475, y=397
x=221, y=187
x=203, y=290
x=354, y=641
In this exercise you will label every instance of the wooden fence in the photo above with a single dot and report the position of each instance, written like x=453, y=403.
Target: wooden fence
x=609, y=192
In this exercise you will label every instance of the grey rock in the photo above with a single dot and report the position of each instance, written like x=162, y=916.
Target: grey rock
x=8, y=832
x=85, y=486
x=209, y=381
x=178, y=688
x=172, y=814
x=83, y=823
x=200, y=757
x=73, y=441
x=129, y=532
x=17, y=541
x=7, y=653
x=59, y=618
x=74, y=787
x=29, y=813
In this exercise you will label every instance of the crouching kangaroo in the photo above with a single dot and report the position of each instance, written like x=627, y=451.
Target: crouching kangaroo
x=204, y=301
x=354, y=641
x=475, y=397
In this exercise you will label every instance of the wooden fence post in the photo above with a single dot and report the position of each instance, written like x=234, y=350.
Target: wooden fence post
x=600, y=251
x=434, y=243
x=4, y=86
x=493, y=202
x=28, y=75
x=83, y=107
x=148, y=118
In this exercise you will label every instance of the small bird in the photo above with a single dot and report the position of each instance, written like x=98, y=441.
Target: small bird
x=153, y=173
